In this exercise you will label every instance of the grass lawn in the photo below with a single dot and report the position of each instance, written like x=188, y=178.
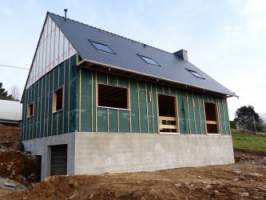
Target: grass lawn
x=247, y=141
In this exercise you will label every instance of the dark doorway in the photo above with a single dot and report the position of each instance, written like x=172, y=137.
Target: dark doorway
x=211, y=117
x=167, y=114
x=58, y=159
x=39, y=167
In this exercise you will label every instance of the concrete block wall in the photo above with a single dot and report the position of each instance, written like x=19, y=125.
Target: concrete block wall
x=97, y=153
x=40, y=146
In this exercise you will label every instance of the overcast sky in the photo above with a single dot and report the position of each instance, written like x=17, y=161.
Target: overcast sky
x=226, y=39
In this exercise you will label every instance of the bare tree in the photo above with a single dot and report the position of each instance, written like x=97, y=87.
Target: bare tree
x=15, y=92
x=4, y=94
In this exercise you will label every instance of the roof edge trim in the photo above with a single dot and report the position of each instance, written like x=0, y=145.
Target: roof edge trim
x=152, y=76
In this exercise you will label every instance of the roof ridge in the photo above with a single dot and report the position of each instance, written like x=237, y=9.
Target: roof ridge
x=114, y=34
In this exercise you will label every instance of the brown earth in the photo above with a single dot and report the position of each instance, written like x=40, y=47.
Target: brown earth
x=4, y=192
x=256, y=157
x=244, y=180
x=237, y=181
x=15, y=165
x=18, y=166
x=9, y=136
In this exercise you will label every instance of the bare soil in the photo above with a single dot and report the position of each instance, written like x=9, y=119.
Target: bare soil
x=9, y=136
x=244, y=180
x=237, y=181
x=18, y=166
x=4, y=192
x=247, y=156
x=15, y=165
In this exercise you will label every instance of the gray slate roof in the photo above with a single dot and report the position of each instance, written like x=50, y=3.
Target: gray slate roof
x=125, y=58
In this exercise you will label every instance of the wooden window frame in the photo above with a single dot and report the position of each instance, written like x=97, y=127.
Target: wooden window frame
x=54, y=100
x=212, y=122
x=176, y=116
x=115, y=108
x=28, y=110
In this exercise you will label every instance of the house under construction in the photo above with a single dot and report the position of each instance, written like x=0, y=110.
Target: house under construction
x=98, y=102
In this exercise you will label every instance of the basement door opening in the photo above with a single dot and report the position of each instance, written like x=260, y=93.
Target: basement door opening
x=167, y=114
x=58, y=160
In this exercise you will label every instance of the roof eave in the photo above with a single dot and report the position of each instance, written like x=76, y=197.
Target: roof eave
x=82, y=61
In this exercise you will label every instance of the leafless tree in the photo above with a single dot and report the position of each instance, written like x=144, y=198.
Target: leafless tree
x=15, y=92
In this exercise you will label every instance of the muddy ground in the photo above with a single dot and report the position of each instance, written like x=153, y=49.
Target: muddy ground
x=9, y=136
x=18, y=166
x=247, y=156
x=244, y=180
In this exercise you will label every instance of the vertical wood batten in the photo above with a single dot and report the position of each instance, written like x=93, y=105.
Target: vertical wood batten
x=188, y=113
x=92, y=100
x=219, y=110
x=40, y=96
x=124, y=118
x=134, y=106
x=141, y=117
x=227, y=118
x=86, y=101
x=26, y=114
x=80, y=100
x=143, y=108
x=53, y=115
x=64, y=94
x=139, y=120
x=147, y=108
x=118, y=120
x=108, y=120
x=39, y=131
x=194, y=114
x=129, y=105
x=34, y=116
x=102, y=118
x=44, y=107
x=152, y=109
x=29, y=119
x=95, y=96
x=202, y=121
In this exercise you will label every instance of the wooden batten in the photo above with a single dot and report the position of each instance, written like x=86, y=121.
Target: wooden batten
x=140, y=118
x=107, y=69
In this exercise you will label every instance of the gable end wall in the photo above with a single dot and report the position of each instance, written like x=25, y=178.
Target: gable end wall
x=45, y=123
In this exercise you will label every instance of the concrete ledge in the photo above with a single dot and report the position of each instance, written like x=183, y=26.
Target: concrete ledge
x=40, y=146
x=96, y=153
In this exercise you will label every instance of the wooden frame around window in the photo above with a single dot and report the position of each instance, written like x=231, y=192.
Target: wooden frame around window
x=54, y=100
x=211, y=122
x=168, y=118
x=30, y=110
x=121, y=87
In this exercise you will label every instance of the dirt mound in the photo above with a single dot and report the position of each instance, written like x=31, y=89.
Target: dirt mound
x=224, y=182
x=250, y=156
x=18, y=166
x=4, y=192
x=9, y=136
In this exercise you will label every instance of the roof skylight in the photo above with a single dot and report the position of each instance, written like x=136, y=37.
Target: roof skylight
x=148, y=60
x=102, y=47
x=196, y=74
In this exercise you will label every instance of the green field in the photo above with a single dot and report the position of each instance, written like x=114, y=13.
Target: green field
x=250, y=142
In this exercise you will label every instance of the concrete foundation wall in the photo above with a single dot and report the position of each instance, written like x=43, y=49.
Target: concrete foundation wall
x=101, y=152
x=40, y=146
x=96, y=153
